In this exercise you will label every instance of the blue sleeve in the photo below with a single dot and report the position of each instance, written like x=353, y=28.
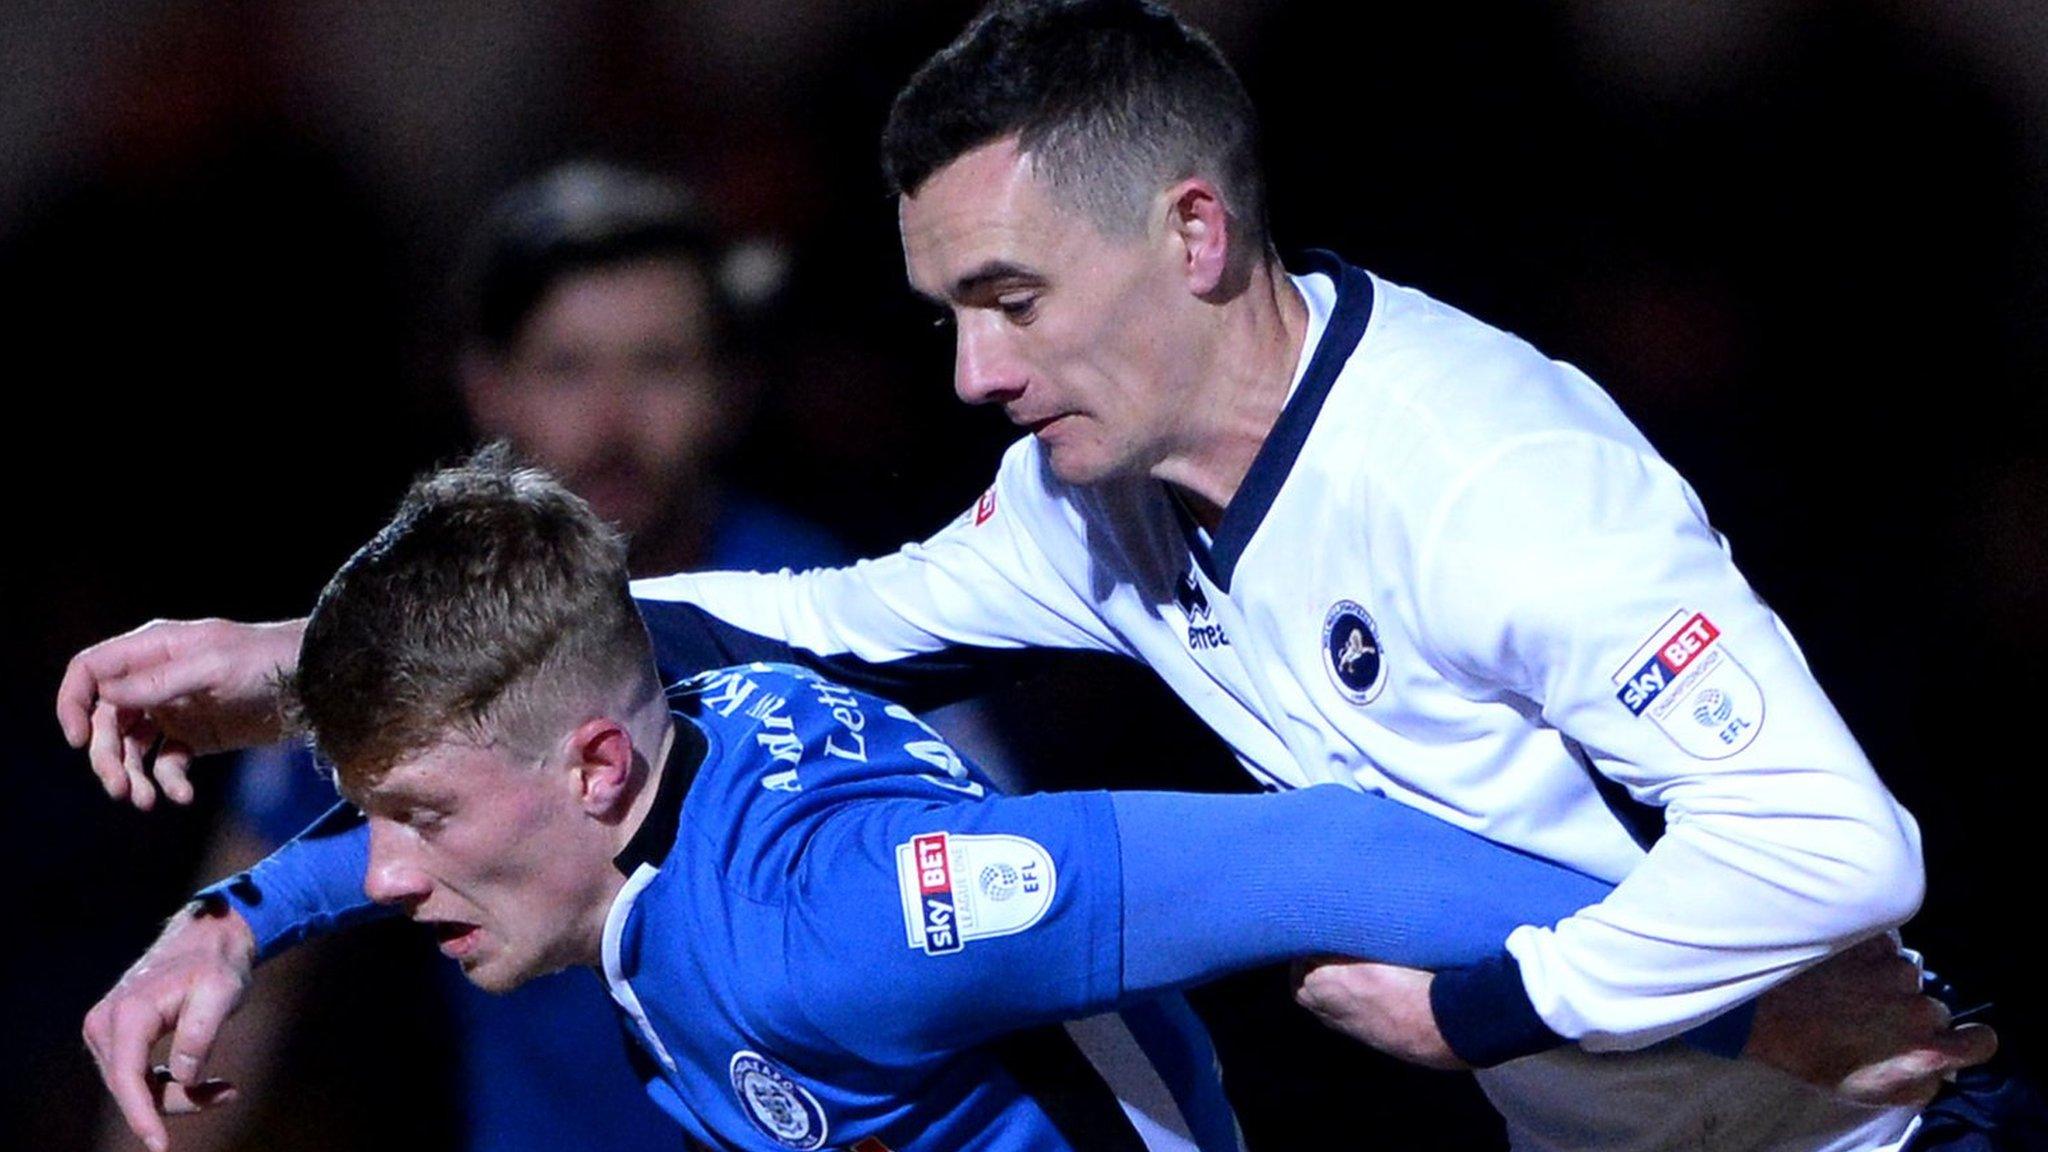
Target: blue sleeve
x=1213, y=884
x=1217, y=883
x=923, y=926
x=310, y=886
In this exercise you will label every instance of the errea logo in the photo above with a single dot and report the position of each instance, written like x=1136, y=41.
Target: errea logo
x=1203, y=631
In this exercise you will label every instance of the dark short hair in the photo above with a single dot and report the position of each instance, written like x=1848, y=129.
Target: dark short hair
x=576, y=218
x=493, y=604
x=1112, y=99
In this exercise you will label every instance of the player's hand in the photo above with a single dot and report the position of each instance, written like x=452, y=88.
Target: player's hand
x=1858, y=1025
x=183, y=987
x=144, y=703
x=1383, y=1005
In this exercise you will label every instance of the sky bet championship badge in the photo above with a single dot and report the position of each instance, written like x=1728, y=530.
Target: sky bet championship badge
x=961, y=888
x=1685, y=679
x=777, y=1104
x=1351, y=652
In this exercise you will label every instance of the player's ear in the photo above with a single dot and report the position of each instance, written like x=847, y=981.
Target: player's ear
x=1200, y=227
x=600, y=752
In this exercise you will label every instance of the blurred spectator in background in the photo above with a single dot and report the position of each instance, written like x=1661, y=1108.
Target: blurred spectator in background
x=602, y=342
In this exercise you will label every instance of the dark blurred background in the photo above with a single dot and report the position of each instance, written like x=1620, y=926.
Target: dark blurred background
x=1801, y=241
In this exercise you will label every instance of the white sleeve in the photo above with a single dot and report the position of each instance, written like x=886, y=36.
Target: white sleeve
x=988, y=581
x=1580, y=573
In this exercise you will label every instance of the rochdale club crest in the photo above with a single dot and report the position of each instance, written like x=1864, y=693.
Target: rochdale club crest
x=1351, y=652
x=777, y=1104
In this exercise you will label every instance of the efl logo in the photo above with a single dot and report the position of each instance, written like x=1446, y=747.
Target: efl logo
x=985, y=507
x=1674, y=654
x=935, y=889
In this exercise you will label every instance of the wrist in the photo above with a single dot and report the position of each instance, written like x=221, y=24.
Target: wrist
x=226, y=931
x=1485, y=1015
x=281, y=640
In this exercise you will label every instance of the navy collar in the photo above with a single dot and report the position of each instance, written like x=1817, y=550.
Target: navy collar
x=1275, y=459
x=656, y=836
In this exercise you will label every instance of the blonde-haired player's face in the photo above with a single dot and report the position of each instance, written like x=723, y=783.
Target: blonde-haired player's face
x=492, y=853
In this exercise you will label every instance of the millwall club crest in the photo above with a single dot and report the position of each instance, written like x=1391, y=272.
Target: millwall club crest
x=777, y=1104
x=1351, y=652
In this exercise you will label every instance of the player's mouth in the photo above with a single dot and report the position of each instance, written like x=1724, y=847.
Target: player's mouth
x=456, y=938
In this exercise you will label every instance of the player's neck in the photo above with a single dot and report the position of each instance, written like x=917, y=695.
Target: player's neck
x=1258, y=347
x=618, y=861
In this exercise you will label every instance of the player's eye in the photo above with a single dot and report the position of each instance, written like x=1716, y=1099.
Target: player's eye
x=1019, y=308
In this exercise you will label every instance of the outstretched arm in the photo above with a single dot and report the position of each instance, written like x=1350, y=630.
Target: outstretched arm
x=972, y=919
x=143, y=703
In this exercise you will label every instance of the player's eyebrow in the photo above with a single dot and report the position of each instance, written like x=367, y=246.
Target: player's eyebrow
x=989, y=272
x=389, y=797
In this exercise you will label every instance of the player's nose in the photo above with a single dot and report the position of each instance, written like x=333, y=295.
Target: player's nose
x=392, y=877
x=985, y=370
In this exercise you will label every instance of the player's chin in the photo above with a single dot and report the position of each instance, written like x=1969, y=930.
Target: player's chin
x=492, y=975
x=501, y=969
x=493, y=969
x=1078, y=462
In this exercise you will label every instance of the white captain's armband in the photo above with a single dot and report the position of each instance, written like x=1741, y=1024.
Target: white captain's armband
x=1687, y=682
x=961, y=888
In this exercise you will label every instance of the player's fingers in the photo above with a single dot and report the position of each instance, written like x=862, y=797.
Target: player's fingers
x=104, y=752
x=175, y=1099
x=76, y=695
x=172, y=768
x=1967, y=1045
x=1914, y=1077
x=177, y=674
x=1909, y=1079
x=125, y=1069
x=1303, y=965
x=206, y=1006
x=87, y=675
x=1318, y=980
x=99, y=1036
x=135, y=764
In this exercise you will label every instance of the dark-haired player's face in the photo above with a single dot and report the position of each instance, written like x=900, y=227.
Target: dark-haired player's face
x=1078, y=335
x=611, y=384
